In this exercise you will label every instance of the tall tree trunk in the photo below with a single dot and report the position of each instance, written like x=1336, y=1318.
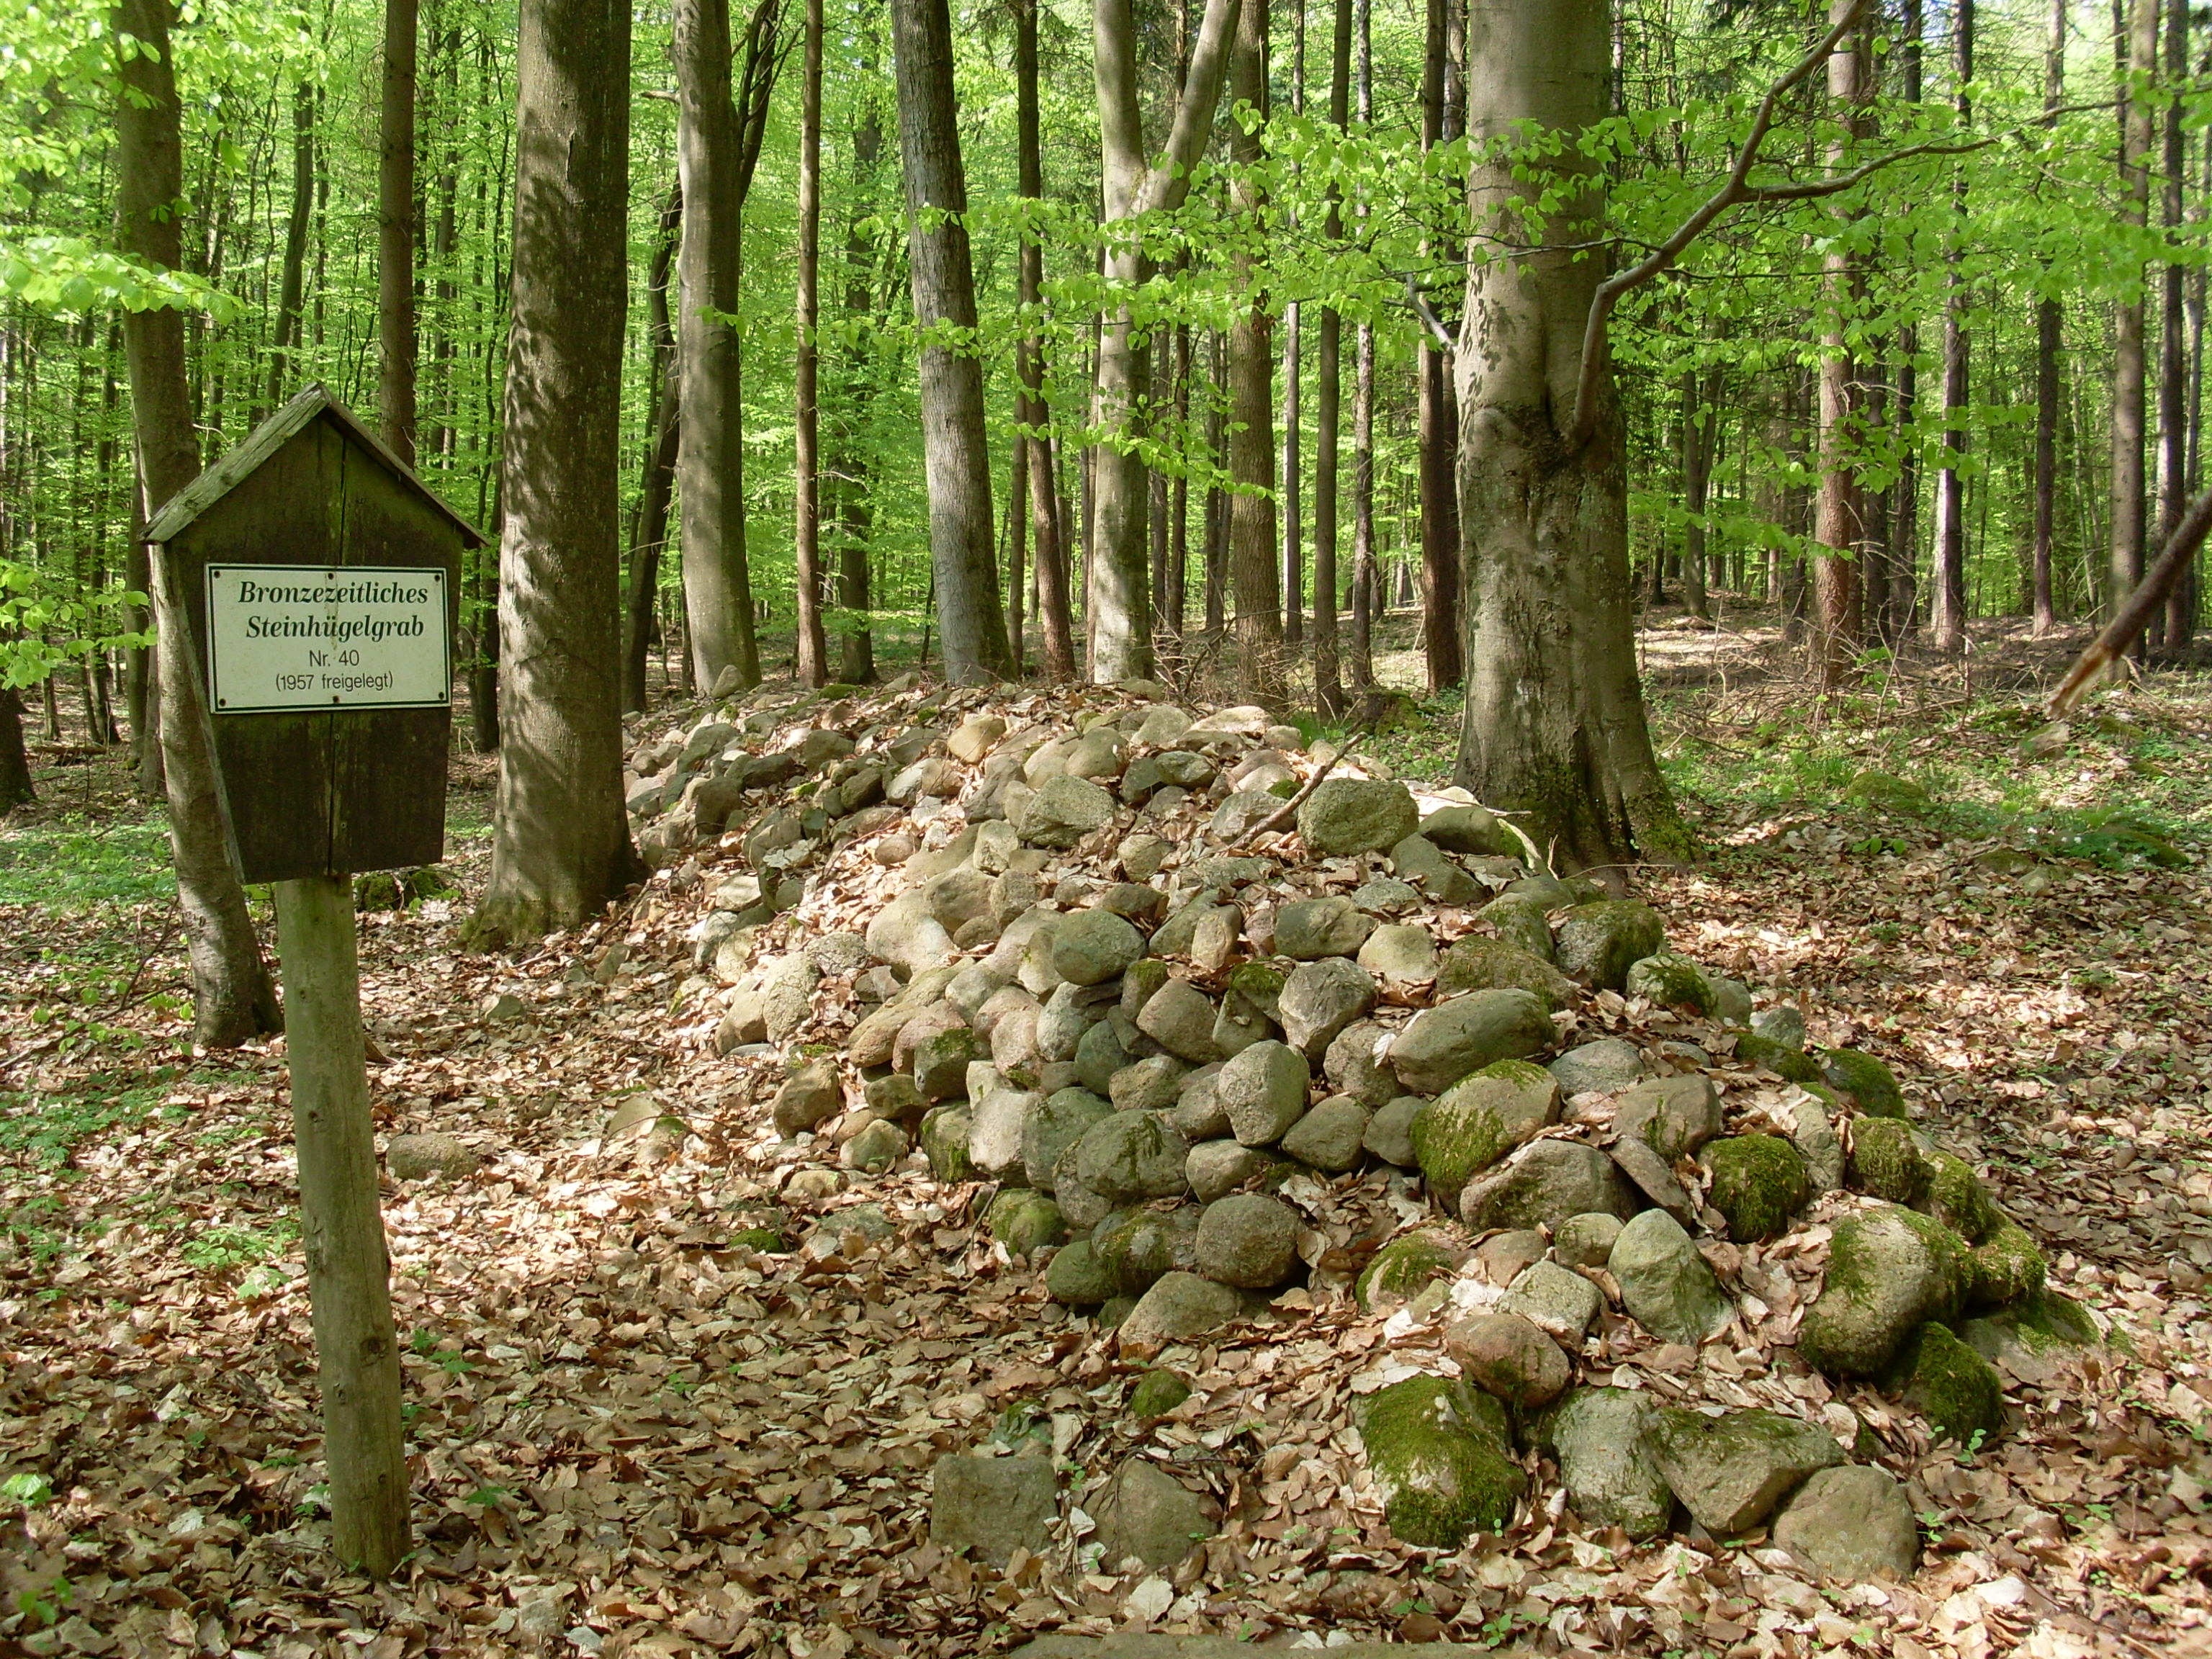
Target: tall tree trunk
x=1366, y=581
x=16, y=788
x=856, y=644
x=2139, y=113
x=2049, y=329
x=1251, y=372
x=1293, y=527
x=663, y=397
x=1055, y=626
x=395, y=233
x=955, y=455
x=1328, y=689
x=1177, y=607
x=560, y=845
x=290, y=291
x=1555, y=724
x=1697, y=465
x=2172, y=631
x=1948, y=608
x=806, y=545
x=1839, y=510
x=1216, y=555
x=1440, y=535
x=233, y=998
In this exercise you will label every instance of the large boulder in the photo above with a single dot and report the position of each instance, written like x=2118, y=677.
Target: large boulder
x=1263, y=1090
x=1850, y=1524
x=1059, y=1122
x=1064, y=811
x=1446, y=1042
x=1600, y=1440
x=1093, y=947
x=1666, y=1284
x=1674, y=1116
x=1731, y=1470
x=1179, y=1306
x=1478, y=1121
x=1344, y=816
x=1147, y=1513
x=1891, y=1270
x=1480, y=963
x=1597, y=942
x=991, y=1506
x=1248, y=1240
x=1319, y=999
x=1544, y=1185
x=1506, y=1355
x=1758, y=1184
x=1420, y=861
x=1439, y=1453
x=1131, y=1157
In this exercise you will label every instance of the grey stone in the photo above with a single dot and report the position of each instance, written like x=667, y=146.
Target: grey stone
x=991, y=1506
x=1602, y=1067
x=1080, y=1207
x=1319, y=999
x=1137, y=1246
x=1596, y=943
x=941, y=1062
x=1598, y=1437
x=974, y=738
x=1142, y=855
x=1504, y=1257
x=1478, y=1121
x=1069, y=1012
x=1815, y=1138
x=1093, y=947
x=973, y=984
x=1214, y=941
x=1852, y=1524
x=1173, y=937
x=1163, y=724
x=418, y=1157
x=1557, y=1300
x=1470, y=829
x=1097, y=754
x=1890, y=1271
x=1344, y=816
x=1480, y=963
x=1075, y=1277
x=907, y=935
x=1149, y=1086
x=1544, y=1185
x=1670, y=980
x=1024, y=1221
x=1521, y=922
x=1063, y=811
x=1198, y=1114
x=1147, y=1513
x=1248, y=1240
x=1235, y=818
x=1387, y=894
x=1357, y=1064
x=1132, y=1156
x=810, y=1096
x=928, y=777
x=1263, y=1090
x=1180, y=1017
x=1420, y=861
x=841, y=954
x=1653, y=1178
x=1179, y=1306
x=1218, y=1168
x=1438, y=1451
x=876, y=1147
x=1666, y=1286
x=945, y=1136
x=1674, y=1116
x=1731, y=1000
x=1505, y=1355
x=1139, y=983
x=1306, y=929
x=1731, y=1470
x=1403, y=955
x=1446, y=1042
x=1585, y=1241
x=1390, y=1131
x=1330, y=1137
x=1783, y=1023
x=1104, y=1051
x=1058, y=1122
x=996, y=1126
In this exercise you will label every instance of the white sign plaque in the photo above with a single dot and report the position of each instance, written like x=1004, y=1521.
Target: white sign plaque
x=305, y=636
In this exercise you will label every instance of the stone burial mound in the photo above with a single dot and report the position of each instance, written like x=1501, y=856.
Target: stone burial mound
x=1206, y=1041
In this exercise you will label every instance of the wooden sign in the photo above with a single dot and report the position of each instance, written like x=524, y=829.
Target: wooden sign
x=322, y=580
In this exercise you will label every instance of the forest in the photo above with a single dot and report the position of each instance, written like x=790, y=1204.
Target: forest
x=1242, y=822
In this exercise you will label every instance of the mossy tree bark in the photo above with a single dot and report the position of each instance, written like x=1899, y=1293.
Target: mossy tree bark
x=1554, y=725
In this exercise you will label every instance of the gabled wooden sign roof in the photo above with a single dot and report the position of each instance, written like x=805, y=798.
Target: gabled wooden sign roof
x=233, y=469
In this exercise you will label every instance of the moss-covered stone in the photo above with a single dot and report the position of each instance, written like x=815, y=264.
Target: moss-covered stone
x=1887, y=793
x=2051, y=1314
x=1597, y=942
x=1779, y=1057
x=1956, y=1389
x=1886, y=1160
x=1759, y=1183
x=1672, y=981
x=766, y=1240
x=1867, y=1082
x=1077, y=1277
x=1157, y=1394
x=1436, y=1448
x=1955, y=1196
x=1480, y=963
x=1140, y=1247
x=1478, y=1120
x=1402, y=1270
x=1024, y=1221
x=2007, y=1265
x=1891, y=1270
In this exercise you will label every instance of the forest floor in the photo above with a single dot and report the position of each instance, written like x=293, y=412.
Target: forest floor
x=630, y=1438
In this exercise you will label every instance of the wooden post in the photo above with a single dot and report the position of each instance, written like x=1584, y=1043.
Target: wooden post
x=349, y=1273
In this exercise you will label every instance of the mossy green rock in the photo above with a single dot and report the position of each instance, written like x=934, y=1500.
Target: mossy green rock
x=1868, y=1084
x=1140, y=1247
x=1596, y=944
x=1887, y=793
x=1436, y=1449
x=1599, y=1439
x=1480, y=963
x=944, y=1144
x=1957, y=1390
x=1672, y=981
x=1344, y=815
x=1077, y=1277
x=1891, y=1271
x=1759, y=1183
x=1522, y=921
x=1024, y=1221
x=1730, y=1471
x=1402, y=1270
x=1157, y=1394
x=766, y=1240
x=1478, y=1120
x=1886, y=1160
x=1793, y=1064
x=1059, y=1121
x=1956, y=1197
x=2007, y=1265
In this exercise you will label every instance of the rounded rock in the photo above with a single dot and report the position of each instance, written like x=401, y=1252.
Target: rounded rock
x=1248, y=1240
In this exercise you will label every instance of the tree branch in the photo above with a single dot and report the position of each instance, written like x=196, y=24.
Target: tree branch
x=2142, y=606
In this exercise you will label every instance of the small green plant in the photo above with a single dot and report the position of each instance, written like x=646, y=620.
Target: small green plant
x=32, y=1491
x=224, y=1249
x=489, y=1497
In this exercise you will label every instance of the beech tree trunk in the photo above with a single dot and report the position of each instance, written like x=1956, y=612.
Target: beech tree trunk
x=813, y=654
x=233, y=998
x=1328, y=688
x=395, y=233
x=1947, y=606
x=2129, y=525
x=2172, y=354
x=1054, y=624
x=955, y=455
x=560, y=845
x=649, y=528
x=1838, y=512
x=1554, y=725
x=15, y=761
x=1697, y=467
x=292, y=283
x=1257, y=596
x=867, y=295
x=2050, y=328
x=1366, y=583
x=1440, y=537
